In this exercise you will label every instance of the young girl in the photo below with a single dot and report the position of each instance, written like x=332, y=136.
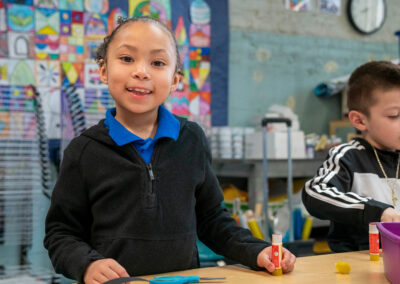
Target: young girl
x=135, y=190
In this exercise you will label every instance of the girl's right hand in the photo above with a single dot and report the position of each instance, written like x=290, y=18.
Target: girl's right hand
x=390, y=215
x=103, y=270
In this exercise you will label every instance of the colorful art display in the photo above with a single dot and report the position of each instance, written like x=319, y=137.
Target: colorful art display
x=51, y=44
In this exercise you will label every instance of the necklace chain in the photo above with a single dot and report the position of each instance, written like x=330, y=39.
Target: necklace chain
x=392, y=185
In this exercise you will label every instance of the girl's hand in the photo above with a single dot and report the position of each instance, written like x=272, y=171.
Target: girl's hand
x=103, y=270
x=265, y=256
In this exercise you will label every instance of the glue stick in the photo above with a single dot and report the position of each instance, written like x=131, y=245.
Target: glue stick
x=277, y=253
x=373, y=242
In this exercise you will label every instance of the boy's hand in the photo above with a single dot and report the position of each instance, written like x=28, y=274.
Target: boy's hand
x=103, y=270
x=265, y=256
x=390, y=215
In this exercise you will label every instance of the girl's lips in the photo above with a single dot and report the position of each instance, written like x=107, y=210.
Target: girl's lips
x=139, y=91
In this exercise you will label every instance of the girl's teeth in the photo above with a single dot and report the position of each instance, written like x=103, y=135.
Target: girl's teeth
x=139, y=90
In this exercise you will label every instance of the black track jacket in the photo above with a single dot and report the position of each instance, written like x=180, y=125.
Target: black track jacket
x=351, y=191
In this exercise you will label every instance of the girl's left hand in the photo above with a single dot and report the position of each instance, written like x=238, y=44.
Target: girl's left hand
x=265, y=256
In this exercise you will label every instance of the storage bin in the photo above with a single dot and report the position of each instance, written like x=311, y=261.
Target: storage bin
x=390, y=238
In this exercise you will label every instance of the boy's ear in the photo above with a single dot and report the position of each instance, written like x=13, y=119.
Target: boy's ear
x=175, y=81
x=103, y=71
x=358, y=120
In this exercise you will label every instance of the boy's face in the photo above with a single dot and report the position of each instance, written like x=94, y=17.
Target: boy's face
x=382, y=127
x=140, y=69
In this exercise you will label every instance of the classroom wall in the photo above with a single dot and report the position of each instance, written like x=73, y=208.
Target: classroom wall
x=278, y=56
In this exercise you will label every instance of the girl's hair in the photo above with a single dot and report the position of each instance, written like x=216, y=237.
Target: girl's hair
x=101, y=54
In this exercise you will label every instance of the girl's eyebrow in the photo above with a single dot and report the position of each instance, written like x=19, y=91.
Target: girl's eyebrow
x=133, y=48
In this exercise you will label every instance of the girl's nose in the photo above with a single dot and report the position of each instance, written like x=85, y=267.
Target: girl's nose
x=141, y=72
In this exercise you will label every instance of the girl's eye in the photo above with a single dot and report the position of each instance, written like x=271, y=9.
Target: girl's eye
x=393, y=116
x=158, y=63
x=126, y=59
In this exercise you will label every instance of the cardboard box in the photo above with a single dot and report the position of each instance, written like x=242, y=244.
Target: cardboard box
x=276, y=145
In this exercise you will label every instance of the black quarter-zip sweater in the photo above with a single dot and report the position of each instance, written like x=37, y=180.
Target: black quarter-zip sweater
x=107, y=203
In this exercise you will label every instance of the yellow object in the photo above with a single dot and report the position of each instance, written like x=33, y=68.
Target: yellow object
x=321, y=145
x=255, y=229
x=231, y=192
x=374, y=257
x=277, y=272
x=305, y=234
x=343, y=267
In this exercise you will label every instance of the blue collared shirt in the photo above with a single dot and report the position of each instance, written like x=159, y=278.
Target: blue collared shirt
x=168, y=126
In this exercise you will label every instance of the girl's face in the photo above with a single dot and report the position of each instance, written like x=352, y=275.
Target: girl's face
x=140, y=69
x=382, y=127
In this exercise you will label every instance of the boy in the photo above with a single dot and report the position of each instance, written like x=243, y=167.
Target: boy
x=359, y=181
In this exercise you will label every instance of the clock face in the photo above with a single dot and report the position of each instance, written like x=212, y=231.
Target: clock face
x=367, y=16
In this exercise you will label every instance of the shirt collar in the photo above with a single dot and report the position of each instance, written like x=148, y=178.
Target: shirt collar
x=168, y=126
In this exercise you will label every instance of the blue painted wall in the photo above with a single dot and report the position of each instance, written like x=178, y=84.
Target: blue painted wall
x=267, y=68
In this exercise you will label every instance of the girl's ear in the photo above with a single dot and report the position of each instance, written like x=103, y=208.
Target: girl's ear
x=103, y=71
x=358, y=119
x=175, y=81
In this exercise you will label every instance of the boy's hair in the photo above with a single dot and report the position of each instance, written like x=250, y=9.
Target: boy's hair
x=368, y=78
x=101, y=54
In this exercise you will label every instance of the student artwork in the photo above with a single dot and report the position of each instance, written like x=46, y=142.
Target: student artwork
x=21, y=72
x=200, y=35
x=72, y=74
x=96, y=6
x=52, y=4
x=91, y=47
x=330, y=6
x=17, y=112
x=298, y=5
x=47, y=46
x=47, y=21
x=20, y=45
x=113, y=18
x=76, y=5
x=97, y=101
x=200, y=12
x=68, y=120
x=139, y=8
x=199, y=63
x=72, y=49
x=4, y=71
x=21, y=2
x=51, y=102
x=161, y=10
x=3, y=23
x=92, y=77
x=65, y=22
x=179, y=100
x=47, y=73
x=95, y=25
x=3, y=44
x=20, y=18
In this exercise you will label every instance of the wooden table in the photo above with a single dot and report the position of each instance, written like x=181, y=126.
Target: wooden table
x=311, y=269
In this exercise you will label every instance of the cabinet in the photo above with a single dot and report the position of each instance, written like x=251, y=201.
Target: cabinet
x=253, y=171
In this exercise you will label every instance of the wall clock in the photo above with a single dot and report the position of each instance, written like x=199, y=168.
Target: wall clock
x=367, y=17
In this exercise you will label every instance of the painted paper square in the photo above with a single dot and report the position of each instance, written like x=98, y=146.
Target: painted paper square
x=20, y=45
x=47, y=46
x=21, y=72
x=71, y=5
x=47, y=21
x=52, y=4
x=47, y=73
x=20, y=18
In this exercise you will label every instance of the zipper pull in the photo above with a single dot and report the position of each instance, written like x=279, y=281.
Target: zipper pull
x=150, y=170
